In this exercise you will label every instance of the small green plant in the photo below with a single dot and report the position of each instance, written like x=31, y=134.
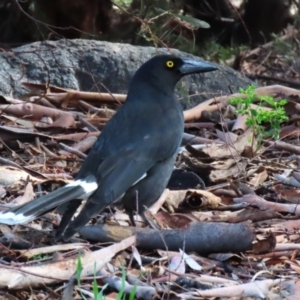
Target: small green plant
x=78, y=273
x=122, y=295
x=99, y=295
x=213, y=51
x=259, y=116
x=133, y=292
x=41, y=257
x=284, y=48
x=123, y=3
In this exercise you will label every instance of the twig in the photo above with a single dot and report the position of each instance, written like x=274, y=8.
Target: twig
x=71, y=150
x=90, y=127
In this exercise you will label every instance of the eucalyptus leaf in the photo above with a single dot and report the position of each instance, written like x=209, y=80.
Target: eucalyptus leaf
x=196, y=23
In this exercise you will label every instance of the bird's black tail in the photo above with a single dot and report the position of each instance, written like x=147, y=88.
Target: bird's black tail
x=79, y=189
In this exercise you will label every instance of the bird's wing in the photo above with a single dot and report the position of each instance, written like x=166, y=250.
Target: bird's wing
x=133, y=132
x=119, y=172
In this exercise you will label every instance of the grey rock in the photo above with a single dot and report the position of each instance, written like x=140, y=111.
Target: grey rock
x=90, y=65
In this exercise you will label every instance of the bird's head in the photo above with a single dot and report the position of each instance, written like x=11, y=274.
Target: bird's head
x=166, y=70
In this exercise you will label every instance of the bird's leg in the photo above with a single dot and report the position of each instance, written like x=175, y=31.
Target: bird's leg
x=142, y=214
x=131, y=218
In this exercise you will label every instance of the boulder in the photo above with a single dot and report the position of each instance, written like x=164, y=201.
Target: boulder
x=90, y=65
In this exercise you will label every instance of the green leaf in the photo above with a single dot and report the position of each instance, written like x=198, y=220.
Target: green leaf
x=282, y=102
x=100, y=295
x=122, y=289
x=78, y=273
x=133, y=292
x=254, y=112
x=196, y=23
x=79, y=267
x=95, y=285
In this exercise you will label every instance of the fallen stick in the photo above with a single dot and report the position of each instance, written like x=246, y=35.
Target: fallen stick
x=202, y=238
x=263, y=204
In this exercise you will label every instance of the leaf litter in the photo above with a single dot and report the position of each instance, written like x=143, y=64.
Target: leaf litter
x=228, y=222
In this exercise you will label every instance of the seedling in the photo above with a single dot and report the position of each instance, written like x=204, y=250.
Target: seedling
x=258, y=117
x=78, y=273
x=100, y=295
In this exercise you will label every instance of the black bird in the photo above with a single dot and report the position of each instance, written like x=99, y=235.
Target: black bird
x=133, y=157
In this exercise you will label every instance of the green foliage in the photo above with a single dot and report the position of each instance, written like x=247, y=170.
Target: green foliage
x=78, y=273
x=121, y=295
x=96, y=289
x=166, y=24
x=99, y=295
x=258, y=117
x=213, y=51
x=41, y=257
x=192, y=22
x=283, y=47
x=163, y=24
x=123, y=3
x=132, y=293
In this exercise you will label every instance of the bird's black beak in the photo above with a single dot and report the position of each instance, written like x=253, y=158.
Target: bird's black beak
x=191, y=66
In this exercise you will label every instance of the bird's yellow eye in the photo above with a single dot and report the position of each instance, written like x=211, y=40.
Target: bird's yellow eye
x=170, y=64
